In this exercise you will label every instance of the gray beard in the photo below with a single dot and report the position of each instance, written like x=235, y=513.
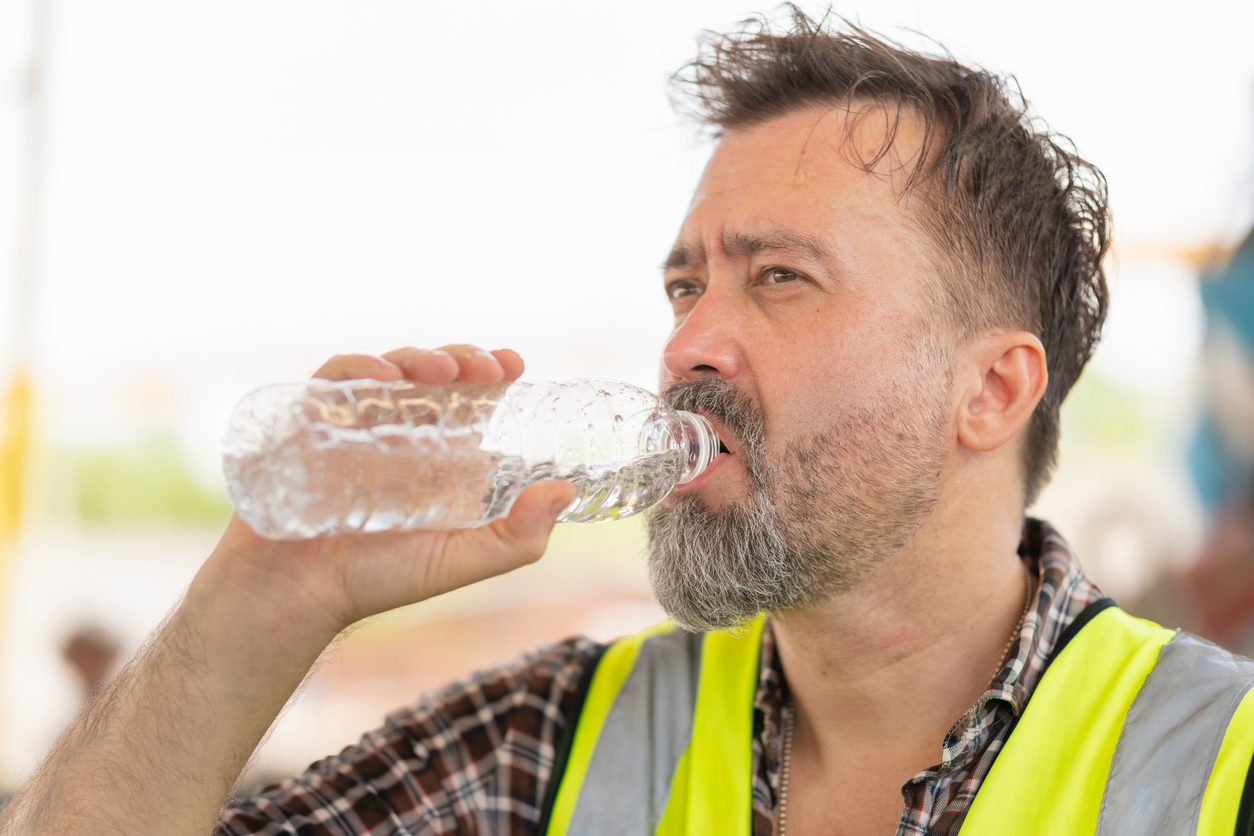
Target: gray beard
x=716, y=569
x=817, y=518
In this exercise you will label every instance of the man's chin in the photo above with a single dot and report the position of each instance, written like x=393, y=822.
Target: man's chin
x=715, y=568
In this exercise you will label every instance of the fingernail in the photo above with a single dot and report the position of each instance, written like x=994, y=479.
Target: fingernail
x=558, y=507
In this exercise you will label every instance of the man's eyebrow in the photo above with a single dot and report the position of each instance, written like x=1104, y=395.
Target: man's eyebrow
x=684, y=256
x=778, y=241
x=749, y=243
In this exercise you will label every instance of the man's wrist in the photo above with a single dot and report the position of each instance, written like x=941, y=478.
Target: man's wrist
x=241, y=595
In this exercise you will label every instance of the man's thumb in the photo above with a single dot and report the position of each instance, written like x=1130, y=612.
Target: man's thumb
x=536, y=511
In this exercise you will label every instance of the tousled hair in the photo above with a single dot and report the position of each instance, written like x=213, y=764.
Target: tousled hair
x=1017, y=220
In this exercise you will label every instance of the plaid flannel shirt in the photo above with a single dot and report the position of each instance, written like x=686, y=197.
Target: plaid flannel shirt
x=477, y=757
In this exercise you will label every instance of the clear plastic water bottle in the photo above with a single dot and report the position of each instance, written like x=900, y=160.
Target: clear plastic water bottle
x=319, y=458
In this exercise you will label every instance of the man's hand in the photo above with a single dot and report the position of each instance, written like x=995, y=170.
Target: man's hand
x=343, y=579
x=158, y=751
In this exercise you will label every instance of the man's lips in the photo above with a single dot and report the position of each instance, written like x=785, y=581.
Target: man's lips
x=725, y=452
x=727, y=441
x=706, y=476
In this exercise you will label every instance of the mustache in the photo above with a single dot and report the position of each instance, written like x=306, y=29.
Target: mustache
x=738, y=413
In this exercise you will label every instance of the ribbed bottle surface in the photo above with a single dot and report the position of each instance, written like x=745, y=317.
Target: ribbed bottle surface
x=318, y=458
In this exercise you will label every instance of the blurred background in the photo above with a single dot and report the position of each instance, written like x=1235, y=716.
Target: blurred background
x=200, y=198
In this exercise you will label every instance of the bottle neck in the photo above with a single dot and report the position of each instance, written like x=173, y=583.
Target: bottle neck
x=700, y=443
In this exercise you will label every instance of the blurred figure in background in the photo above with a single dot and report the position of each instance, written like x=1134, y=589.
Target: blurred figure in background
x=91, y=651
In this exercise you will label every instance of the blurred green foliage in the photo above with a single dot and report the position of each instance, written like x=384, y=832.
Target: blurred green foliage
x=1100, y=413
x=148, y=482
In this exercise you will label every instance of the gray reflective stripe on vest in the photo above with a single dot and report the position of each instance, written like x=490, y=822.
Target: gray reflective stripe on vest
x=1171, y=737
x=645, y=734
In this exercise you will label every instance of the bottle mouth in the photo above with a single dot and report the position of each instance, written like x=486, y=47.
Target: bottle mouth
x=700, y=442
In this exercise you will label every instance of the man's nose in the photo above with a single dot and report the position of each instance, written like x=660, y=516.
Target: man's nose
x=705, y=342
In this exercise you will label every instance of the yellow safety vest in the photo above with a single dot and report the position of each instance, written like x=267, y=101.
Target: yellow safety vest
x=1132, y=729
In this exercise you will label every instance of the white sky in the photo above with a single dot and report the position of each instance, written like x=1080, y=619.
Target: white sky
x=237, y=189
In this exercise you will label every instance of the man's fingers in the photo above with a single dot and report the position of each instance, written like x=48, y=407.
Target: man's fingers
x=425, y=365
x=358, y=367
x=533, y=516
x=510, y=362
x=475, y=364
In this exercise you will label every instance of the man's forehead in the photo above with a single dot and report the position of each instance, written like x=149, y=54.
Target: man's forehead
x=869, y=136
x=787, y=184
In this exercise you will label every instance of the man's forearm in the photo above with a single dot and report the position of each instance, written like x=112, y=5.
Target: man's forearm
x=159, y=749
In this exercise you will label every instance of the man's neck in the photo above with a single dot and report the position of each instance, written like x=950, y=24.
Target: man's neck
x=885, y=671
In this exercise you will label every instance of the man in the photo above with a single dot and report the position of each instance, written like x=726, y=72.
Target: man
x=885, y=285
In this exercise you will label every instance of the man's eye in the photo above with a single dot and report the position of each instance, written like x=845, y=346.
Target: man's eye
x=779, y=275
x=678, y=290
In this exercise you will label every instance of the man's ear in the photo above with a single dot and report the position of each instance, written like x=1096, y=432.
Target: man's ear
x=1004, y=378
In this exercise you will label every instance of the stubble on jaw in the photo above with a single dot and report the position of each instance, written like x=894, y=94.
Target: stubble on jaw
x=821, y=514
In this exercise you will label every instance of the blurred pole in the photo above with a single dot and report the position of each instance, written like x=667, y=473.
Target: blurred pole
x=17, y=402
x=16, y=437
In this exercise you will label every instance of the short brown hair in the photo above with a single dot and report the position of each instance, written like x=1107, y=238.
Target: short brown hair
x=1019, y=220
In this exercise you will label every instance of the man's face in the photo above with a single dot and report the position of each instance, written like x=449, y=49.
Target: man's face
x=800, y=290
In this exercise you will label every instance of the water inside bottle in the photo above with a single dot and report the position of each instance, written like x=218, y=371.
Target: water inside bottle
x=307, y=489
x=622, y=489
